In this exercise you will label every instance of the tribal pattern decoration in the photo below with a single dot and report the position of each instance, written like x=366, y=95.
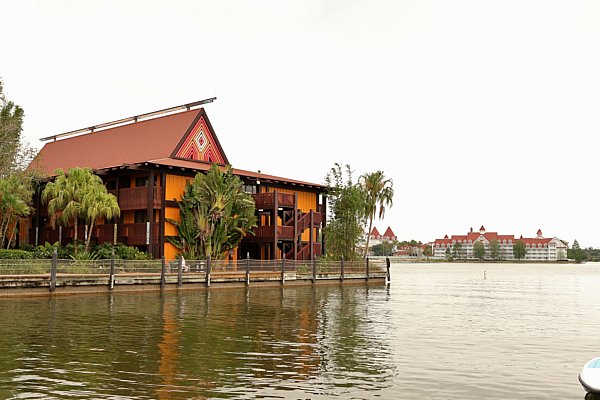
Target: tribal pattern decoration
x=200, y=145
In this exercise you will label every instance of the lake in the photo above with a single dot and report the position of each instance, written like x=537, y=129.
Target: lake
x=451, y=331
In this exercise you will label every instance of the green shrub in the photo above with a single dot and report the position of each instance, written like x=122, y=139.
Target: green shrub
x=130, y=253
x=44, y=251
x=122, y=251
x=15, y=255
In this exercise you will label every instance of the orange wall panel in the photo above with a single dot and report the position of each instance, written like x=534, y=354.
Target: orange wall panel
x=175, y=186
x=171, y=252
x=171, y=213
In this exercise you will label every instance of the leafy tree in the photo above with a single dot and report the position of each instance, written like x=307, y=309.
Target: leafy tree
x=14, y=155
x=215, y=215
x=457, y=250
x=427, y=252
x=576, y=252
x=383, y=249
x=479, y=250
x=519, y=250
x=379, y=193
x=346, y=208
x=448, y=254
x=495, y=249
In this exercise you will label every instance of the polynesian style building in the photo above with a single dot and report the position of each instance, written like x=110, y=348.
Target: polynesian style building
x=538, y=248
x=146, y=161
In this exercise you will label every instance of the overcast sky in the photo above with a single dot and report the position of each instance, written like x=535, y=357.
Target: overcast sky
x=482, y=112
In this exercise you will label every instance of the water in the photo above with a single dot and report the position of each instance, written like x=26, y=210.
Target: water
x=438, y=331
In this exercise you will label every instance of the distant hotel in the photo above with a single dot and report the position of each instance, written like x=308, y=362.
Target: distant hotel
x=538, y=248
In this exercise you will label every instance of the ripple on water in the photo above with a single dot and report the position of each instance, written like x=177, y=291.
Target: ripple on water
x=438, y=331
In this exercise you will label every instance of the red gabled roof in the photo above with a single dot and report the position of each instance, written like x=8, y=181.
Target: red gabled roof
x=160, y=141
x=375, y=232
x=389, y=233
x=127, y=144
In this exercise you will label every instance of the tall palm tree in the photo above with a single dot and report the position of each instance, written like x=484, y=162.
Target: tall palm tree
x=98, y=203
x=379, y=192
x=65, y=197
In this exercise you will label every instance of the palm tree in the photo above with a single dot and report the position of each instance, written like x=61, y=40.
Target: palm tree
x=98, y=203
x=379, y=192
x=65, y=197
x=15, y=196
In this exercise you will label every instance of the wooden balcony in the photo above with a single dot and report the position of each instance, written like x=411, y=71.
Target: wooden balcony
x=130, y=234
x=266, y=201
x=135, y=234
x=137, y=198
x=266, y=233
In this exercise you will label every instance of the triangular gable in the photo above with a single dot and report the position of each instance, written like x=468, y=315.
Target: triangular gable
x=200, y=143
x=389, y=233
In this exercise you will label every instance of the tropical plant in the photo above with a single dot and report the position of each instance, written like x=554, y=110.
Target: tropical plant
x=215, y=215
x=78, y=194
x=187, y=228
x=379, y=193
x=346, y=214
x=98, y=203
x=15, y=196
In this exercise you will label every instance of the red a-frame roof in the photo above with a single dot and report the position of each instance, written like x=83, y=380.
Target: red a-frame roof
x=146, y=140
x=184, y=141
x=389, y=233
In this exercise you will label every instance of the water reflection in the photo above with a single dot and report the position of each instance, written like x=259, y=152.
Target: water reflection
x=226, y=343
x=437, y=331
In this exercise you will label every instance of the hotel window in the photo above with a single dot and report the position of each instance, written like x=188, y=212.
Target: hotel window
x=141, y=216
x=250, y=189
x=141, y=181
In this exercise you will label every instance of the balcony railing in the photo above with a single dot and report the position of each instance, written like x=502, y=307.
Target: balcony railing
x=266, y=232
x=266, y=201
x=137, y=198
x=130, y=234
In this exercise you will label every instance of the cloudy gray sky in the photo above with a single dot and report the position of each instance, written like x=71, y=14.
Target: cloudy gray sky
x=482, y=112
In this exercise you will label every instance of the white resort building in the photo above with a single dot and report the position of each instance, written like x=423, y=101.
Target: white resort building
x=537, y=248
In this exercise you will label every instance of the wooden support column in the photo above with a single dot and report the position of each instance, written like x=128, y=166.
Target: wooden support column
x=161, y=219
x=324, y=215
x=149, y=211
x=274, y=222
x=38, y=201
x=295, y=225
x=312, y=235
x=118, y=219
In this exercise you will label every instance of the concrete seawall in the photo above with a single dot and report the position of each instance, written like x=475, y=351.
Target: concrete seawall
x=67, y=284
